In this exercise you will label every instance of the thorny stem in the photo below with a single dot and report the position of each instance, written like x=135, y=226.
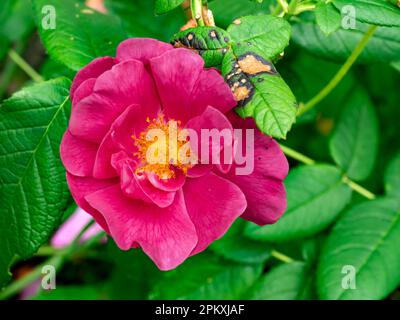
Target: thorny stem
x=308, y=161
x=340, y=74
x=14, y=56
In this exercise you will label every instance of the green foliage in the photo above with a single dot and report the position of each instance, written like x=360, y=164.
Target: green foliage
x=327, y=17
x=354, y=143
x=81, y=34
x=144, y=23
x=383, y=47
x=292, y=281
x=366, y=238
x=163, y=6
x=210, y=42
x=236, y=247
x=71, y=293
x=33, y=188
x=207, y=277
x=315, y=195
x=392, y=178
x=377, y=12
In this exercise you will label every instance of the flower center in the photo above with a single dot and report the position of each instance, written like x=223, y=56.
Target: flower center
x=163, y=147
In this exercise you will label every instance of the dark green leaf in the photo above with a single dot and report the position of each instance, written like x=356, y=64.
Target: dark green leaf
x=33, y=189
x=291, y=281
x=354, y=142
x=70, y=293
x=378, y=12
x=205, y=277
x=163, y=6
x=81, y=34
x=366, y=240
x=328, y=18
x=234, y=246
x=210, y=42
x=384, y=46
x=315, y=195
x=139, y=20
x=392, y=177
x=133, y=275
x=16, y=20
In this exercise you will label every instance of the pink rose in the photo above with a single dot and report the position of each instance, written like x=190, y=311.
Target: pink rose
x=170, y=211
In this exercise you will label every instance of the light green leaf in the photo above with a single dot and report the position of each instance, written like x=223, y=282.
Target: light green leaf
x=315, y=196
x=384, y=46
x=205, y=277
x=81, y=34
x=163, y=6
x=291, y=281
x=210, y=42
x=378, y=12
x=33, y=189
x=354, y=142
x=366, y=241
x=234, y=246
x=392, y=177
x=328, y=18
x=265, y=35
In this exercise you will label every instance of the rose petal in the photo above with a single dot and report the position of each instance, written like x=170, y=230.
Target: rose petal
x=167, y=235
x=141, y=49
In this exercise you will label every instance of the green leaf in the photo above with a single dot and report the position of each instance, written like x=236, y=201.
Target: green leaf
x=33, y=189
x=163, y=6
x=378, y=12
x=328, y=18
x=81, y=34
x=257, y=86
x=291, y=281
x=16, y=21
x=133, y=275
x=315, y=196
x=210, y=42
x=234, y=246
x=384, y=46
x=139, y=20
x=366, y=238
x=70, y=292
x=226, y=11
x=205, y=277
x=265, y=35
x=263, y=95
x=392, y=177
x=354, y=143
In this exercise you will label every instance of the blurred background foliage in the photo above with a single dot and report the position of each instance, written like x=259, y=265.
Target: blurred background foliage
x=327, y=226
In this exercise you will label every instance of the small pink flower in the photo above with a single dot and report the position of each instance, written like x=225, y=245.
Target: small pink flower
x=178, y=214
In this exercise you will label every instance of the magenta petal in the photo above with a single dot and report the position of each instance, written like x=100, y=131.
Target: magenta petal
x=93, y=70
x=77, y=155
x=141, y=49
x=175, y=73
x=213, y=204
x=167, y=235
x=102, y=166
x=83, y=91
x=264, y=189
x=211, y=119
x=80, y=187
x=92, y=117
x=173, y=184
